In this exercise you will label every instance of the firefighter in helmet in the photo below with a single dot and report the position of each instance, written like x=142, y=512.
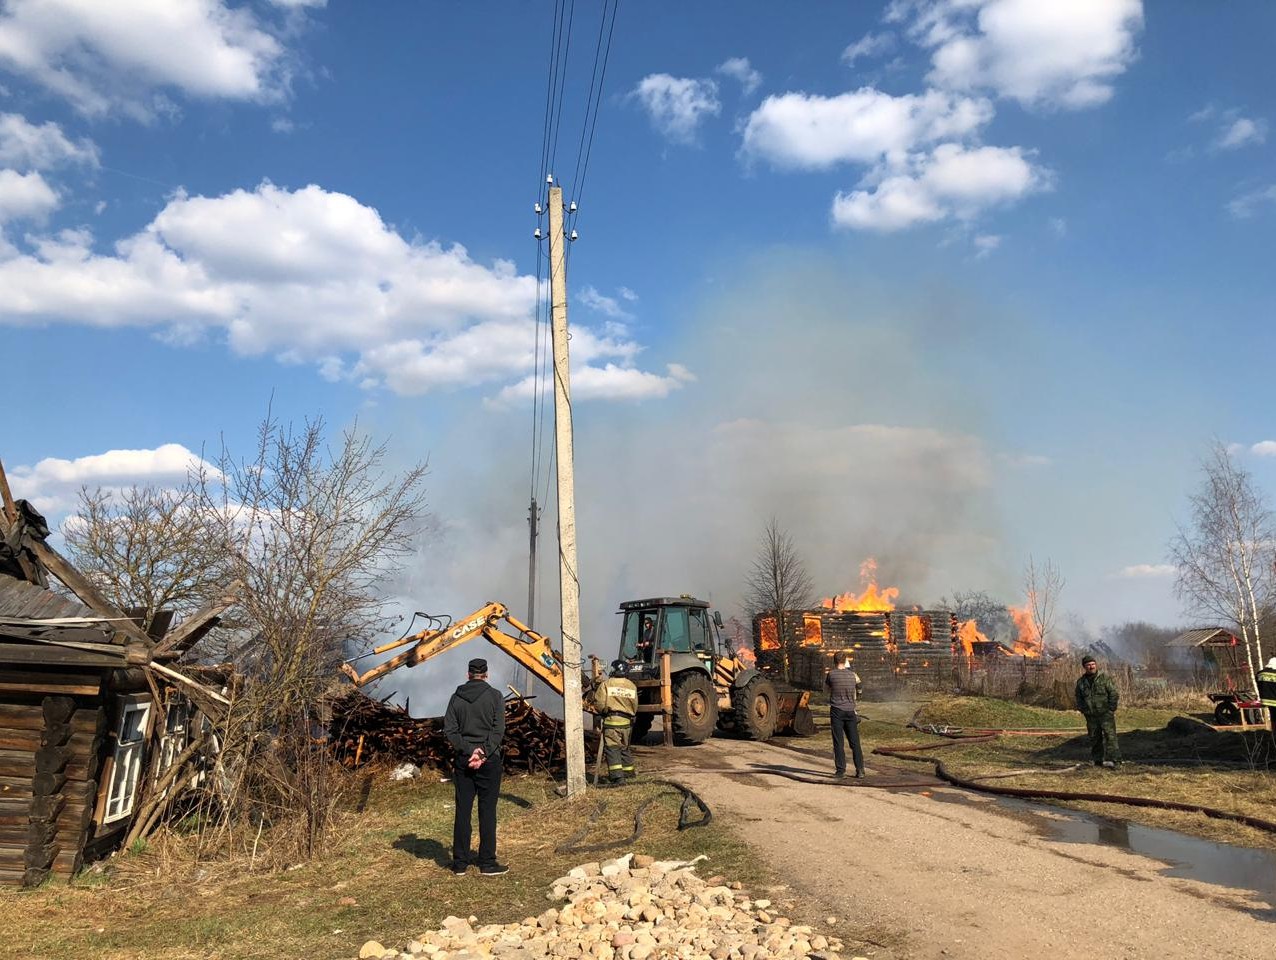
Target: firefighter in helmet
x=616, y=700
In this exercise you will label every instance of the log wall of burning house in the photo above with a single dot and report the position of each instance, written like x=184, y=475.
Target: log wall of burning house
x=887, y=648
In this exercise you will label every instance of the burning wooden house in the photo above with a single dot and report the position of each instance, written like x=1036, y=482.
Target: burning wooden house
x=90, y=714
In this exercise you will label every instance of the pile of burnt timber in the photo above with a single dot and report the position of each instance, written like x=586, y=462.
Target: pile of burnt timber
x=365, y=730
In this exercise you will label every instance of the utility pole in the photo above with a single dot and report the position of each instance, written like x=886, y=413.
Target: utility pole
x=568, y=583
x=533, y=516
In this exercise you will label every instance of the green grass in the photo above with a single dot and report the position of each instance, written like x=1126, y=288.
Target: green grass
x=383, y=880
x=991, y=713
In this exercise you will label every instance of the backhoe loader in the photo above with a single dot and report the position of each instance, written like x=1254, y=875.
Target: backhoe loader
x=703, y=687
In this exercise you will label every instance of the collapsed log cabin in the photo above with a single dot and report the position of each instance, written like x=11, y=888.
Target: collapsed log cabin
x=90, y=712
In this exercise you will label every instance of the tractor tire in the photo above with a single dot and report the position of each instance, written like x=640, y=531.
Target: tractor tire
x=642, y=727
x=695, y=708
x=1227, y=714
x=756, y=709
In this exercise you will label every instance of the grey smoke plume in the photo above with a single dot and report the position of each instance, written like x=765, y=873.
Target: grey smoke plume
x=819, y=400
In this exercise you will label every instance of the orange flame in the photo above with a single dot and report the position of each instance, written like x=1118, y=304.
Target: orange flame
x=768, y=634
x=812, y=632
x=968, y=635
x=916, y=630
x=746, y=656
x=870, y=599
x=1028, y=641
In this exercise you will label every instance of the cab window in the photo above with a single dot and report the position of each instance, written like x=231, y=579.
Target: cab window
x=639, y=635
x=676, y=636
x=699, y=624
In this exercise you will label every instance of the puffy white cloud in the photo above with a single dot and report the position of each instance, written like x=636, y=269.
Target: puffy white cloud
x=25, y=196
x=952, y=180
x=124, y=55
x=812, y=132
x=27, y=146
x=739, y=68
x=53, y=483
x=1241, y=132
x=1147, y=571
x=1041, y=54
x=1264, y=448
x=677, y=105
x=869, y=45
x=1248, y=204
x=610, y=381
x=308, y=275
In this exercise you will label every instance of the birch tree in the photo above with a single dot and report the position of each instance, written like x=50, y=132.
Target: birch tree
x=1225, y=551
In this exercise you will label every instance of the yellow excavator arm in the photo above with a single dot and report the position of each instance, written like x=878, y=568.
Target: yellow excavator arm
x=531, y=649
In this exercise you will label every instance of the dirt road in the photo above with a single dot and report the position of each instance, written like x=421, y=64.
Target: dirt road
x=951, y=876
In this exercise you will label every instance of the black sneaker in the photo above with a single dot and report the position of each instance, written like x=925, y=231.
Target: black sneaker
x=839, y=774
x=494, y=870
x=859, y=774
x=459, y=869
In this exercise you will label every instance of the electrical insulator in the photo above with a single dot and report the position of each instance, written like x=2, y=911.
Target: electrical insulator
x=537, y=233
x=538, y=209
x=573, y=235
x=572, y=208
x=550, y=179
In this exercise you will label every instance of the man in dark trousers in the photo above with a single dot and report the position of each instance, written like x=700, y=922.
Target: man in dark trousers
x=617, y=700
x=1097, y=700
x=475, y=725
x=844, y=691
x=1267, y=692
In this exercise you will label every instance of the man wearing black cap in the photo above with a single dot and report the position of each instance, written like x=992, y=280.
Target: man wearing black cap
x=1097, y=700
x=474, y=725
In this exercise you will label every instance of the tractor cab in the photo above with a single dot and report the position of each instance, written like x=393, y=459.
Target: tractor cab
x=680, y=625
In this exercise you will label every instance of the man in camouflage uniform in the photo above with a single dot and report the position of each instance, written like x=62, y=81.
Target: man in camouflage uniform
x=1097, y=700
x=616, y=699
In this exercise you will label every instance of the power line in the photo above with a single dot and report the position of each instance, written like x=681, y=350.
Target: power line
x=578, y=188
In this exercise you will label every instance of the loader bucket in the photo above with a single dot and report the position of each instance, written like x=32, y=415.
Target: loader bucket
x=795, y=719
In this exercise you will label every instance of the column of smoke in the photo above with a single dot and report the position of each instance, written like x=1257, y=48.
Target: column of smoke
x=839, y=414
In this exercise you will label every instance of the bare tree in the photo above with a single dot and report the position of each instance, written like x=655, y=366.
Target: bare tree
x=316, y=533
x=1225, y=552
x=1043, y=584
x=149, y=548
x=778, y=582
x=991, y=616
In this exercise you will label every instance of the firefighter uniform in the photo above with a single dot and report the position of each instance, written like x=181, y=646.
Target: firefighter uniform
x=1267, y=689
x=617, y=700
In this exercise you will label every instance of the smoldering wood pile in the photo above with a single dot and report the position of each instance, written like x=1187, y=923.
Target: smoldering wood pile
x=364, y=730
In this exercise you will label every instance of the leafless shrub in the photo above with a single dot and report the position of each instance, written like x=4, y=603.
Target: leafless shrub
x=1043, y=584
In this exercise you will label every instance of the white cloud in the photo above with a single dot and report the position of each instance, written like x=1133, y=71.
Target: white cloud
x=1041, y=54
x=739, y=68
x=611, y=381
x=1147, y=571
x=985, y=244
x=951, y=181
x=627, y=294
x=53, y=483
x=677, y=105
x=1264, y=448
x=869, y=45
x=1058, y=226
x=812, y=132
x=26, y=146
x=610, y=306
x=306, y=275
x=124, y=55
x=1251, y=203
x=25, y=196
x=282, y=125
x=1241, y=132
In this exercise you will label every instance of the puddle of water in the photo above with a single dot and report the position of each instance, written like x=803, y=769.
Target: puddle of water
x=1191, y=858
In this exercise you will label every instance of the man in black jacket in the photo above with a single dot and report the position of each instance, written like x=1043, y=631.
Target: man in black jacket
x=475, y=725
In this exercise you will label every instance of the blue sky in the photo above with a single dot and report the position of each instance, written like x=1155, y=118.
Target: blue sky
x=945, y=282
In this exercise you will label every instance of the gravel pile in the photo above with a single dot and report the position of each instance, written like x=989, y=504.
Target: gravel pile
x=633, y=908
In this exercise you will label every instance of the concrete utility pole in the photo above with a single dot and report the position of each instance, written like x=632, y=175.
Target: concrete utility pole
x=568, y=583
